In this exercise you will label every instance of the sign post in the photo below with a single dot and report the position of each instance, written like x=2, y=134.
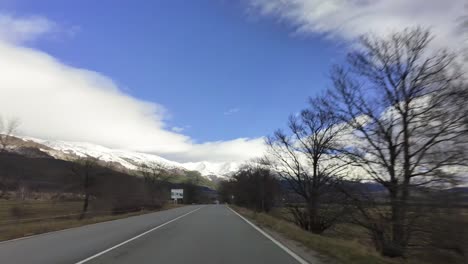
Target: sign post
x=177, y=194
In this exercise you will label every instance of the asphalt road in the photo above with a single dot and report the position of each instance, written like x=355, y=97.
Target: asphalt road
x=191, y=234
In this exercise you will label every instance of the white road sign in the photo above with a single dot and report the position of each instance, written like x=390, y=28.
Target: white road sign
x=177, y=193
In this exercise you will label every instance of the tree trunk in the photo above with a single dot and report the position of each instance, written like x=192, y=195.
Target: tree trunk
x=85, y=206
x=315, y=222
x=395, y=244
x=86, y=199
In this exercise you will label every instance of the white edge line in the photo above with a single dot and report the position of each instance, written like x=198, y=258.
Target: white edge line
x=292, y=254
x=135, y=237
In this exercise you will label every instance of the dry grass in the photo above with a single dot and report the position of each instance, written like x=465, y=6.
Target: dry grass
x=341, y=250
x=19, y=219
x=347, y=243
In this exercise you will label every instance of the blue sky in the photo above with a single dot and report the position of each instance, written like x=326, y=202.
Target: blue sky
x=199, y=59
x=201, y=80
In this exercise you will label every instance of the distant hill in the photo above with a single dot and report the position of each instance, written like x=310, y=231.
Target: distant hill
x=124, y=159
x=48, y=166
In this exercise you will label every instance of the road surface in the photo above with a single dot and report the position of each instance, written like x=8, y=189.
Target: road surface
x=190, y=234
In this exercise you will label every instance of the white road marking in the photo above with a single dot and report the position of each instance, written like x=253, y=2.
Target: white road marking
x=292, y=254
x=136, y=237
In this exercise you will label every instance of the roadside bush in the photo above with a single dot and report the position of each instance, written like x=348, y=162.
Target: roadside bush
x=17, y=212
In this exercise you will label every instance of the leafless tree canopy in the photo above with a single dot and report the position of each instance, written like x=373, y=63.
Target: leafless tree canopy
x=87, y=168
x=409, y=129
x=253, y=186
x=7, y=129
x=305, y=157
x=156, y=176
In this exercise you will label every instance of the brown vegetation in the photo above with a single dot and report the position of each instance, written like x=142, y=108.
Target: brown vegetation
x=348, y=243
x=25, y=218
x=253, y=186
x=305, y=158
x=40, y=193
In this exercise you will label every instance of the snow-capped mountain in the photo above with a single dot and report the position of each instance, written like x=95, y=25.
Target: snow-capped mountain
x=130, y=159
x=213, y=168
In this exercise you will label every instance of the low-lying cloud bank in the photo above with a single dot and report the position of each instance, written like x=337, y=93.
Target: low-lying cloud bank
x=57, y=101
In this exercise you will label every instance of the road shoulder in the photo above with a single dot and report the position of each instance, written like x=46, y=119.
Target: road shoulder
x=303, y=252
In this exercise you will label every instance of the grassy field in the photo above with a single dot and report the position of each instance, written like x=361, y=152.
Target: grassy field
x=25, y=218
x=341, y=250
x=347, y=243
x=447, y=243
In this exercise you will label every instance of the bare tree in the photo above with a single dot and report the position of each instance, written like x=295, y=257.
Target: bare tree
x=7, y=129
x=87, y=168
x=305, y=158
x=156, y=176
x=253, y=186
x=397, y=96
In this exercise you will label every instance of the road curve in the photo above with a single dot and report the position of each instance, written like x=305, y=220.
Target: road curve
x=191, y=234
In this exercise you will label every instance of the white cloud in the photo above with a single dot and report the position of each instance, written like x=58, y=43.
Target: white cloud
x=347, y=19
x=177, y=129
x=57, y=101
x=231, y=111
x=24, y=29
x=237, y=149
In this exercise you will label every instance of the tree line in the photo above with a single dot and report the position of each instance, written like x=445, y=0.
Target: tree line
x=151, y=188
x=395, y=117
x=253, y=186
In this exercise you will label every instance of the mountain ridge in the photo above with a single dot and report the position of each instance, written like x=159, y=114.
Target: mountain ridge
x=129, y=159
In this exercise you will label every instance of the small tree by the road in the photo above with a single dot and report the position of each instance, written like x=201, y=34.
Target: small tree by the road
x=253, y=186
x=305, y=157
x=87, y=168
x=409, y=132
x=155, y=176
x=7, y=129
